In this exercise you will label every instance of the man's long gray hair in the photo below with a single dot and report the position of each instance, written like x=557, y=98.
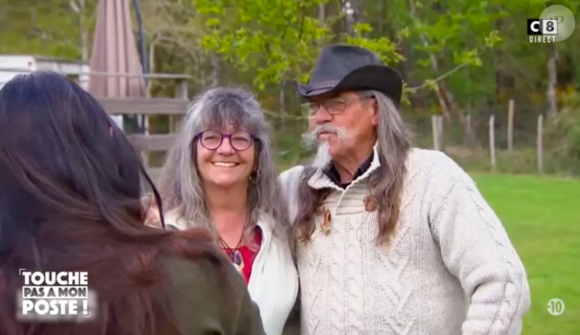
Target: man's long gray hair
x=180, y=183
x=386, y=183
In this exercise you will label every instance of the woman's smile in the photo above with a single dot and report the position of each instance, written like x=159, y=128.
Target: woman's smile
x=225, y=164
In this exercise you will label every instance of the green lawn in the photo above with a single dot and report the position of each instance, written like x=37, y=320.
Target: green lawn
x=542, y=217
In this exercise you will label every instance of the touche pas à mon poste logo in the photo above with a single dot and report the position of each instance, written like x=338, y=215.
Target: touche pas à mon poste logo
x=56, y=296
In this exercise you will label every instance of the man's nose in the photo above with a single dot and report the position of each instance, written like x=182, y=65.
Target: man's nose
x=321, y=116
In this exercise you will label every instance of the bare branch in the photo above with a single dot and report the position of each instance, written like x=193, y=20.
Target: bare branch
x=442, y=77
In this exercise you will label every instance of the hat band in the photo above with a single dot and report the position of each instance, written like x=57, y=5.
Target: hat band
x=321, y=86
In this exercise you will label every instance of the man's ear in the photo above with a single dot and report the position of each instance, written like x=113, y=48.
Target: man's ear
x=375, y=117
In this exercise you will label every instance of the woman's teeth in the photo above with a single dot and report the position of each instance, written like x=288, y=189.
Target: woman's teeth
x=225, y=164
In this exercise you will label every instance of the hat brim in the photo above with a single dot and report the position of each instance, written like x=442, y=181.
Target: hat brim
x=371, y=77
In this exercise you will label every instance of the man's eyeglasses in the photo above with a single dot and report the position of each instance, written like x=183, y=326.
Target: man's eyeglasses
x=333, y=106
x=212, y=140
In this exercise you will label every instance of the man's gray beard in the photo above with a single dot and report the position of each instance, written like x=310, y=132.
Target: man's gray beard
x=323, y=158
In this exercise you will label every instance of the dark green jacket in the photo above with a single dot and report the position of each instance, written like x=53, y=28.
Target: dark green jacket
x=206, y=301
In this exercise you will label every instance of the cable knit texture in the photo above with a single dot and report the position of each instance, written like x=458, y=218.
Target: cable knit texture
x=450, y=269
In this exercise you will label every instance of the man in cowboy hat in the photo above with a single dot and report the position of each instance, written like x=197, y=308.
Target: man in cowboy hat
x=391, y=239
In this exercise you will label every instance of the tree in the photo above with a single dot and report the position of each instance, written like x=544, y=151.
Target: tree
x=49, y=27
x=278, y=40
x=274, y=39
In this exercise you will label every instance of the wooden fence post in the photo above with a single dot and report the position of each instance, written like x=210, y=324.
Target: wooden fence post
x=435, y=131
x=468, y=125
x=540, y=143
x=437, y=127
x=492, y=142
x=510, y=130
x=441, y=132
x=180, y=93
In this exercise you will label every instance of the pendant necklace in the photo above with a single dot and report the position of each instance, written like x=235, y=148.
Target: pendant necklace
x=234, y=253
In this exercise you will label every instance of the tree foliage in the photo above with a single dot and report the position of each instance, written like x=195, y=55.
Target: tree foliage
x=476, y=52
x=275, y=40
x=279, y=40
x=49, y=27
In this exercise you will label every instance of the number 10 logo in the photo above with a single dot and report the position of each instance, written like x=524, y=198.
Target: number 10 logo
x=556, y=306
x=542, y=27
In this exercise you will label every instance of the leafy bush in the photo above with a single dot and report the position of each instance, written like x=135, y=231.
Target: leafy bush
x=562, y=138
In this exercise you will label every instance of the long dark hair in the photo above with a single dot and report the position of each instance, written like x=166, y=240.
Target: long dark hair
x=70, y=189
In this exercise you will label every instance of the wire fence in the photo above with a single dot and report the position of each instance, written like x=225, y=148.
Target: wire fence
x=505, y=138
x=486, y=139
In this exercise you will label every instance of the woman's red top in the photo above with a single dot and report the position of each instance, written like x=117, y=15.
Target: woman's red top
x=243, y=257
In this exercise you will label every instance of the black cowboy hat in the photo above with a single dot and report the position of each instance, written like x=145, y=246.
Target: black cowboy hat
x=341, y=68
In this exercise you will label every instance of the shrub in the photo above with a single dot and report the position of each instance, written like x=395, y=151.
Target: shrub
x=562, y=139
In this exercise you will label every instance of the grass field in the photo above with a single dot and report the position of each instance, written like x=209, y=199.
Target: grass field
x=542, y=217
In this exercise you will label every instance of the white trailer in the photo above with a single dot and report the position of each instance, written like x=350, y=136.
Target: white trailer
x=13, y=65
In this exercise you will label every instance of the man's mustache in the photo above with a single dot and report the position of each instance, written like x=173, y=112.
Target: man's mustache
x=310, y=138
x=325, y=128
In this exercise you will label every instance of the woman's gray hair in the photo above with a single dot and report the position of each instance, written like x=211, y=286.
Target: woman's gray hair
x=180, y=183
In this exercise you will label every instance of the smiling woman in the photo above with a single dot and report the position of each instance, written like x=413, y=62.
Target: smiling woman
x=220, y=175
x=226, y=159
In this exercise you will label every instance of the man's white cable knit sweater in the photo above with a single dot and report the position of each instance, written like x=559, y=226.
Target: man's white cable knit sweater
x=451, y=268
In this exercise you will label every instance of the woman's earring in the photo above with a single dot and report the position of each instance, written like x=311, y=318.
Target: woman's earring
x=254, y=177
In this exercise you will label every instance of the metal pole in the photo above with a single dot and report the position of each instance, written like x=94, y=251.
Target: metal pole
x=143, y=56
x=141, y=37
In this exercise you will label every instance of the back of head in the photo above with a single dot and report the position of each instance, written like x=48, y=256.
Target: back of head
x=70, y=200
x=60, y=155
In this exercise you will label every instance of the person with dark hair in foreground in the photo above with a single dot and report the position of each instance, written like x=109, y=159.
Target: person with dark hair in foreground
x=70, y=201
